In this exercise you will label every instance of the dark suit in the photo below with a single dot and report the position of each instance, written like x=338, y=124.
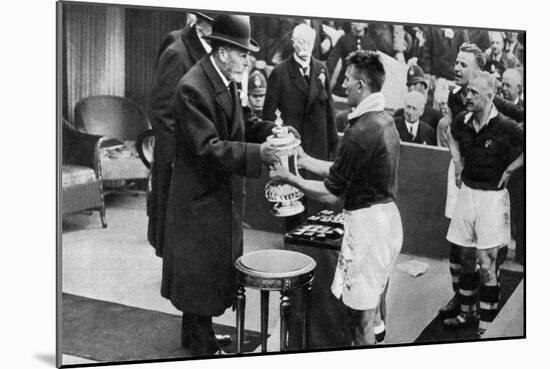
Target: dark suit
x=307, y=106
x=430, y=116
x=424, y=134
x=174, y=61
x=205, y=206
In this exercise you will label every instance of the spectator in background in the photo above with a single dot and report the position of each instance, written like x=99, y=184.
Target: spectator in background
x=409, y=125
x=495, y=68
x=497, y=53
x=299, y=88
x=512, y=45
x=274, y=36
x=390, y=39
x=480, y=37
x=416, y=49
x=416, y=81
x=356, y=39
x=439, y=55
x=512, y=86
x=180, y=50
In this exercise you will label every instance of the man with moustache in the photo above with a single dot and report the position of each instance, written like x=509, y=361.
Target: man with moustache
x=299, y=88
x=487, y=148
x=178, y=53
x=512, y=86
x=469, y=59
x=364, y=178
x=214, y=150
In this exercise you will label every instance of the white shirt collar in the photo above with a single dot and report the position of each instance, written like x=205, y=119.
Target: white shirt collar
x=414, y=127
x=205, y=44
x=373, y=102
x=302, y=63
x=492, y=113
x=225, y=80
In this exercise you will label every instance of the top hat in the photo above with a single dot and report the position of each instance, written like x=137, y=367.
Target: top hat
x=415, y=74
x=204, y=16
x=233, y=30
x=257, y=84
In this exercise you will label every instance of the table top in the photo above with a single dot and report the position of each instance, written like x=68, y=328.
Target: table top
x=275, y=264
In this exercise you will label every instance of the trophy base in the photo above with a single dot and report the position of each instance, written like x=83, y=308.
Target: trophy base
x=287, y=209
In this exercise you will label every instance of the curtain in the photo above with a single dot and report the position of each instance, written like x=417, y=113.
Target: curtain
x=94, y=52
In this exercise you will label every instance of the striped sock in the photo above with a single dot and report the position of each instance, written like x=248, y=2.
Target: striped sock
x=488, y=305
x=454, y=265
x=468, y=292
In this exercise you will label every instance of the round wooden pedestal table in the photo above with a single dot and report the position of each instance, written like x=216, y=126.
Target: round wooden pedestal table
x=274, y=270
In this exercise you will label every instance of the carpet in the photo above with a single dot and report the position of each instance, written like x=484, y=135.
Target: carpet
x=110, y=332
x=437, y=332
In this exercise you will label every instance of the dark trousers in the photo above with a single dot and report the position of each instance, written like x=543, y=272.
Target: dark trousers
x=197, y=334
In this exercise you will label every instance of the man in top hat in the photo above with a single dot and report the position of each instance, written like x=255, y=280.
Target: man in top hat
x=215, y=149
x=179, y=52
x=257, y=86
x=416, y=81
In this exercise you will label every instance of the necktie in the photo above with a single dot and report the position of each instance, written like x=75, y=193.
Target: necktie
x=411, y=132
x=305, y=73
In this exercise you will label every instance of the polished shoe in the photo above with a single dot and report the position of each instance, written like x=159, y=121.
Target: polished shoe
x=481, y=332
x=223, y=339
x=451, y=308
x=459, y=321
x=379, y=337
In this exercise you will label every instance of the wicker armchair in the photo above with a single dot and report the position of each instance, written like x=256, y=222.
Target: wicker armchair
x=121, y=121
x=82, y=188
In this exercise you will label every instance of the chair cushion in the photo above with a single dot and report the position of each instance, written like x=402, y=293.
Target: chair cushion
x=76, y=174
x=122, y=161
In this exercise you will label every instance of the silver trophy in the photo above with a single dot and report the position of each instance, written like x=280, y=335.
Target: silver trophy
x=284, y=196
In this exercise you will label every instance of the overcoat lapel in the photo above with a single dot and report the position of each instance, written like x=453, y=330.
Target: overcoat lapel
x=313, y=87
x=223, y=96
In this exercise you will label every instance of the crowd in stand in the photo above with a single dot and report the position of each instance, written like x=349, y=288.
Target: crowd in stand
x=429, y=51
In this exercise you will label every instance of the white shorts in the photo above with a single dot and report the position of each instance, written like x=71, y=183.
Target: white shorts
x=372, y=241
x=481, y=219
x=452, y=192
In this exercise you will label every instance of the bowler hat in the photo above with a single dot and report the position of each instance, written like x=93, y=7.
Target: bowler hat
x=257, y=84
x=234, y=30
x=415, y=74
x=204, y=16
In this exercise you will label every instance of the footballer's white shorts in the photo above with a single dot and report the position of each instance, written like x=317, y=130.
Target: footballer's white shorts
x=372, y=241
x=481, y=219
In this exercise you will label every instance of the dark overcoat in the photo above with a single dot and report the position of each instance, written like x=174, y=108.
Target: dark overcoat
x=309, y=109
x=205, y=205
x=179, y=52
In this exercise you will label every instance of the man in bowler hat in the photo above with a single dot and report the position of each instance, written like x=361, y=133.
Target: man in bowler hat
x=180, y=50
x=214, y=149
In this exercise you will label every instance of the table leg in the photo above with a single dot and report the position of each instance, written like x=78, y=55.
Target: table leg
x=285, y=309
x=241, y=303
x=265, y=318
x=307, y=315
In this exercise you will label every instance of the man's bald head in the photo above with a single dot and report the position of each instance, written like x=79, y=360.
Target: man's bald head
x=414, y=106
x=303, y=38
x=512, y=84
